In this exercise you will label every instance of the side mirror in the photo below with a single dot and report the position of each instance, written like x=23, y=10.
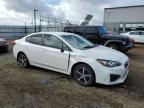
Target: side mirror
x=62, y=49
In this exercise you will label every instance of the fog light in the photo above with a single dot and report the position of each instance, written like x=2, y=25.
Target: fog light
x=114, y=77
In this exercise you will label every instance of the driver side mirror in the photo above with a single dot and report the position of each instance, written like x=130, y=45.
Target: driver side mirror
x=62, y=49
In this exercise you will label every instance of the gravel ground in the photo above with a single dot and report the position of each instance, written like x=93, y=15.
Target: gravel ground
x=40, y=88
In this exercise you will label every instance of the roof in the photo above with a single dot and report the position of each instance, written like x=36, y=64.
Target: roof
x=54, y=33
x=125, y=7
x=85, y=26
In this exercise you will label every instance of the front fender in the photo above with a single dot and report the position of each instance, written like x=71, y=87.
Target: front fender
x=74, y=59
x=113, y=41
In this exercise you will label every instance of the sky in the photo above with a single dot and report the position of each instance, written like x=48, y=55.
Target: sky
x=17, y=12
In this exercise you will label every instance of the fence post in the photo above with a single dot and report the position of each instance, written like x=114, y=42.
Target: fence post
x=13, y=33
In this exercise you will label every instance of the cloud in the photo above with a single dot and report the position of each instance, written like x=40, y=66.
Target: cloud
x=18, y=11
x=76, y=10
x=27, y=7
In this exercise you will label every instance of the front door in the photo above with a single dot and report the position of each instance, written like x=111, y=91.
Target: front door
x=136, y=36
x=53, y=56
x=141, y=36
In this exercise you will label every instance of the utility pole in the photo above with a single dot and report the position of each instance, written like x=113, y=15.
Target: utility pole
x=35, y=19
x=40, y=26
x=41, y=23
x=25, y=28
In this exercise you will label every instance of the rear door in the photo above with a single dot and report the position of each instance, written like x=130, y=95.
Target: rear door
x=34, y=48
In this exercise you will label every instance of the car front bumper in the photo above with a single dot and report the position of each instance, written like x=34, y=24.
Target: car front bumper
x=119, y=80
x=112, y=76
x=125, y=48
x=129, y=46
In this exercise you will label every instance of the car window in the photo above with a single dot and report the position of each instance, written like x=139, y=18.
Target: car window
x=141, y=33
x=91, y=30
x=28, y=39
x=35, y=39
x=80, y=30
x=103, y=30
x=66, y=48
x=54, y=42
x=77, y=41
x=69, y=29
x=134, y=33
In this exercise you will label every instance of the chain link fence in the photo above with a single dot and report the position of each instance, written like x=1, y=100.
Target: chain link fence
x=45, y=24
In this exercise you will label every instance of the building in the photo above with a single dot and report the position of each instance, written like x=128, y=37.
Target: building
x=123, y=19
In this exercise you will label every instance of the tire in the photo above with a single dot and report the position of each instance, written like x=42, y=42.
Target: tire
x=22, y=60
x=83, y=75
x=124, y=50
x=113, y=46
x=6, y=50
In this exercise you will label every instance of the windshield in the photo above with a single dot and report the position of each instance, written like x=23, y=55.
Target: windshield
x=78, y=42
x=103, y=30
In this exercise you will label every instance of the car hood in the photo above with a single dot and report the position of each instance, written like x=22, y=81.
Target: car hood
x=101, y=52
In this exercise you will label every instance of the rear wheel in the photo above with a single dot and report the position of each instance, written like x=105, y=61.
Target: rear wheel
x=22, y=60
x=84, y=75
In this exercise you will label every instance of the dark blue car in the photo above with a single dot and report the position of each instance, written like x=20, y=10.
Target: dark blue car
x=3, y=45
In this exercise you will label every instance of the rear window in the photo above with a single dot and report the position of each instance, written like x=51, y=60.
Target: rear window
x=92, y=30
x=69, y=29
x=35, y=39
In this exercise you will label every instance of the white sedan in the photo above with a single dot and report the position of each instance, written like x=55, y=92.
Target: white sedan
x=138, y=36
x=73, y=55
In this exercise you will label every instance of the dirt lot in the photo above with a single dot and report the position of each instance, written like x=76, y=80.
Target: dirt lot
x=24, y=88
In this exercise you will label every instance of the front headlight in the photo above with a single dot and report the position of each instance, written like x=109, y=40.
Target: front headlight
x=109, y=63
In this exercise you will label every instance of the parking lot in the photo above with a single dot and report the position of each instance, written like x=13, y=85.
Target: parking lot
x=40, y=88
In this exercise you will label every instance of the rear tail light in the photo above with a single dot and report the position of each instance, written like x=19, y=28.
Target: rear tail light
x=14, y=42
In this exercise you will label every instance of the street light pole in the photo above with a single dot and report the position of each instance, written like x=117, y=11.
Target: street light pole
x=35, y=19
x=40, y=26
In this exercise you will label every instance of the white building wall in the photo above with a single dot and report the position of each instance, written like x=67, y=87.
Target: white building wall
x=130, y=15
x=126, y=14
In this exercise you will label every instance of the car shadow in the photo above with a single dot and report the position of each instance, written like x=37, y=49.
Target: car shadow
x=69, y=78
x=60, y=75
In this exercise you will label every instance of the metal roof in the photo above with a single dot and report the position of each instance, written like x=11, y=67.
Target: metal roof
x=125, y=7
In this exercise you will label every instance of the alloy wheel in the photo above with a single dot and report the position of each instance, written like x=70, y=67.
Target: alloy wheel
x=23, y=61
x=83, y=75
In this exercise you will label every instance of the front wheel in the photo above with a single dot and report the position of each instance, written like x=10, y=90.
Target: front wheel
x=22, y=60
x=84, y=75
